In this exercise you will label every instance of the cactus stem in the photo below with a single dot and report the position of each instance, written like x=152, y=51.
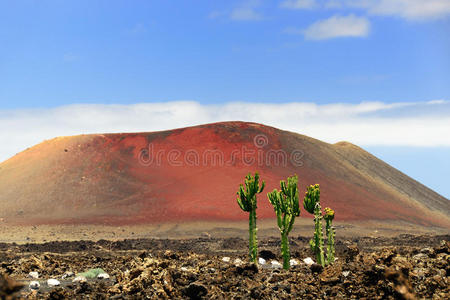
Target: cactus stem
x=330, y=242
x=318, y=235
x=253, y=243
x=285, y=251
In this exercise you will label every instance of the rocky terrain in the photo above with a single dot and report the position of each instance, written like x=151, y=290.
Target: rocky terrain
x=402, y=267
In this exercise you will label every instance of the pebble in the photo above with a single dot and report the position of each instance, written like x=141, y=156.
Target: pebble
x=275, y=264
x=184, y=269
x=53, y=282
x=103, y=276
x=261, y=261
x=226, y=259
x=67, y=275
x=238, y=261
x=34, y=275
x=308, y=261
x=79, y=279
x=34, y=285
x=293, y=262
x=345, y=273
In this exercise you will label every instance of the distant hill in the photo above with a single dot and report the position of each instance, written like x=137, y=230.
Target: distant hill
x=193, y=174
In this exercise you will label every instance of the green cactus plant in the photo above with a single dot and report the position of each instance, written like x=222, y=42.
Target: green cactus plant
x=329, y=216
x=286, y=205
x=311, y=203
x=247, y=202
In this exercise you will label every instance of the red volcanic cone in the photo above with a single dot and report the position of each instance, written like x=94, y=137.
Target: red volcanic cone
x=193, y=174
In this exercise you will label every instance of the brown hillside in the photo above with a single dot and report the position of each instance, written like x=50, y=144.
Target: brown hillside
x=194, y=175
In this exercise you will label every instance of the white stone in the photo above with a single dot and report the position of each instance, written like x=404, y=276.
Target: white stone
x=275, y=264
x=293, y=262
x=238, y=261
x=226, y=259
x=103, y=276
x=34, y=285
x=79, y=279
x=261, y=261
x=308, y=261
x=345, y=273
x=184, y=269
x=53, y=282
x=34, y=275
x=67, y=275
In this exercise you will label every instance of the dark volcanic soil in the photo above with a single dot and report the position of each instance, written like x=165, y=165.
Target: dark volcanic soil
x=404, y=267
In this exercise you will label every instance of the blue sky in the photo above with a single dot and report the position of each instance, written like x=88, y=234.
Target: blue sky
x=57, y=54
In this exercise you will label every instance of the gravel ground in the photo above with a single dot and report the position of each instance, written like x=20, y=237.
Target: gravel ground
x=402, y=267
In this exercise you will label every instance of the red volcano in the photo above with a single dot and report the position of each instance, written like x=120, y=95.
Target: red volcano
x=193, y=174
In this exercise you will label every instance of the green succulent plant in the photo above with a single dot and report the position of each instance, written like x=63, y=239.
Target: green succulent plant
x=247, y=202
x=286, y=205
x=311, y=203
x=312, y=197
x=329, y=229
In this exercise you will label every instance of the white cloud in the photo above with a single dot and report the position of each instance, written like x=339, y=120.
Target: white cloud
x=407, y=9
x=333, y=4
x=298, y=4
x=436, y=101
x=247, y=11
x=365, y=124
x=412, y=9
x=245, y=14
x=338, y=26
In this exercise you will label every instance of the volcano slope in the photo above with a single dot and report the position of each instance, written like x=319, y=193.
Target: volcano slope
x=193, y=174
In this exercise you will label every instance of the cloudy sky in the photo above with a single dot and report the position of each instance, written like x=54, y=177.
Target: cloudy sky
x=372, y=72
